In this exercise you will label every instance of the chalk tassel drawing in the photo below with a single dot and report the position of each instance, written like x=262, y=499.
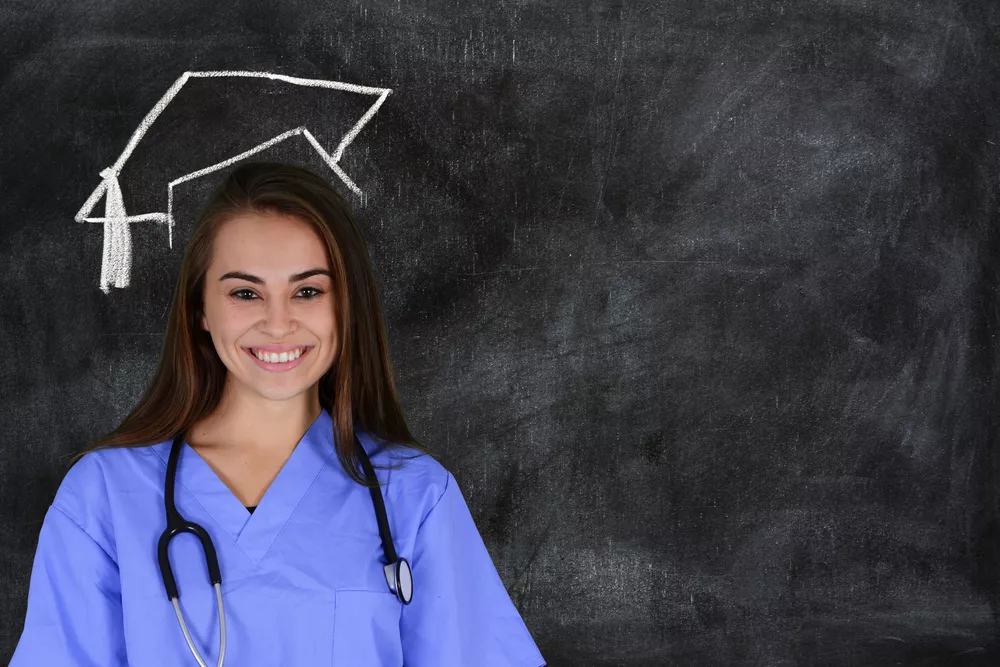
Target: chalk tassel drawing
x=116, y=264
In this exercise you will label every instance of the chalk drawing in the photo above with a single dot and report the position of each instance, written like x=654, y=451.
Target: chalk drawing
x=116, y=265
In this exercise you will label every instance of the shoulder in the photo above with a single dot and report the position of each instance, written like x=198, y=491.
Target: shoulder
x=418, y=477
x=93, y=477
x=83, y=489
x=87, y=492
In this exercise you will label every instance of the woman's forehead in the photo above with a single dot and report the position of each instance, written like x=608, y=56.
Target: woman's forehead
x=279, y=245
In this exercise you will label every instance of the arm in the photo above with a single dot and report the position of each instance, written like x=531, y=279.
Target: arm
x=74, y=614
x=461, y=613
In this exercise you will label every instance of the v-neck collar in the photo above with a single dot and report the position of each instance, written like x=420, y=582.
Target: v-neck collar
x=255, y=533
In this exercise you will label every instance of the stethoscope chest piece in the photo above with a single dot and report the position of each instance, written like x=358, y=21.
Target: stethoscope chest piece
x=400, y=580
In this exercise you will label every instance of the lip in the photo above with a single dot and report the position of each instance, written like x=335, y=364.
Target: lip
x=276, y=348
x=278, y=367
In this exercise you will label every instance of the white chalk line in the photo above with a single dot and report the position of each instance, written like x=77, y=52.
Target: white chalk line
x=117, y=255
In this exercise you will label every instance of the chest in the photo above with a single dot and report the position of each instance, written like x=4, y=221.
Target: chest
x=302, y=584
x=246, y=476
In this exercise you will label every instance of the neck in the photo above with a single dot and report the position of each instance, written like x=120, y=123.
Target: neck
x=247, y=421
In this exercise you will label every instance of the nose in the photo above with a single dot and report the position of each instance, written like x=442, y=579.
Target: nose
x=278, y=321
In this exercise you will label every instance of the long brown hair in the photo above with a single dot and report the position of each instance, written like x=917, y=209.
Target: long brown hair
x=357, y=389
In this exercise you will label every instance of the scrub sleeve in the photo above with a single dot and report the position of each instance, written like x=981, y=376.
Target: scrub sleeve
x=74, y=614
x=460, y=614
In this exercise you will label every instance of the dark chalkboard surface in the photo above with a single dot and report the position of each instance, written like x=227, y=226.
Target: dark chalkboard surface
x=698, y=301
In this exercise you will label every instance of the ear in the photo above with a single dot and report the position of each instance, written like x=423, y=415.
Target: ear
x=204, y=323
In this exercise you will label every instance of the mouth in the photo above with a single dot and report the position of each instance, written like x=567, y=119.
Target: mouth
x=275, y=360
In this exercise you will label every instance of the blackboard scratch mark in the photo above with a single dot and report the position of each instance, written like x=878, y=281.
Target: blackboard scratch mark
x=511, y=270
x=565, y=183
x=118, y=102
x=667, y=261
x=522, y=574
x=613, y=133
x=707, y=262
x=736, y=95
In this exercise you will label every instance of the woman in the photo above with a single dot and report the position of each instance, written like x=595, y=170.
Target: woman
x=274, y=359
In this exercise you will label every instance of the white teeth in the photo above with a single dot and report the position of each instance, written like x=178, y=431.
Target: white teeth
x=276, y=358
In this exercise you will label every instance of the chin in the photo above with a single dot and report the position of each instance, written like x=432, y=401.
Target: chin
x=283, y=395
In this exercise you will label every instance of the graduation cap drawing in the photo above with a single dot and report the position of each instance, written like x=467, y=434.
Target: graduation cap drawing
x=216, y=120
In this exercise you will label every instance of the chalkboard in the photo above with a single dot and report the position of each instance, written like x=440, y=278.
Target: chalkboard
x=698, y=301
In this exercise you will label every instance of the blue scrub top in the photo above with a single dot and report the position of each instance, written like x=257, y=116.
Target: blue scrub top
x=302, y=577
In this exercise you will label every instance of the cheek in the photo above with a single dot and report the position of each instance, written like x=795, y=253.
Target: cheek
x=324, y=324
x=230, y=324
x=330, y=336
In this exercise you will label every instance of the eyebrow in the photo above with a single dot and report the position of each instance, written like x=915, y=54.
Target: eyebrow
x=294, y=278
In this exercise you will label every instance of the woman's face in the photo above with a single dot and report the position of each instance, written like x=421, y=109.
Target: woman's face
x=262, y=295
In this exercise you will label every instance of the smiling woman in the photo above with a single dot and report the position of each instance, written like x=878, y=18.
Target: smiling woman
x=269, y=289
x=271, y=431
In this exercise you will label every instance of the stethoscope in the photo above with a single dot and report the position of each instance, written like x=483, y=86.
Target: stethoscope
x=397, y=570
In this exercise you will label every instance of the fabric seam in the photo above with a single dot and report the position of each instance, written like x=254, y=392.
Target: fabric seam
x=294, y=509
x=447, y=483
x=208, y=514
x=85, y=532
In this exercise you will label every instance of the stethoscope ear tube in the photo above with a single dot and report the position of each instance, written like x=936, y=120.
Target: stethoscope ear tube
x=177, y=525
x=165, y=570
x=211, y=558
x=397, y=570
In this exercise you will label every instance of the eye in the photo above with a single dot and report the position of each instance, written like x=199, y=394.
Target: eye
x=237, y=294
x=317, y=292
x=234, y=293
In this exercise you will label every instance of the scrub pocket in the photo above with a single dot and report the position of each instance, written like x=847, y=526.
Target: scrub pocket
x=366, y=629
